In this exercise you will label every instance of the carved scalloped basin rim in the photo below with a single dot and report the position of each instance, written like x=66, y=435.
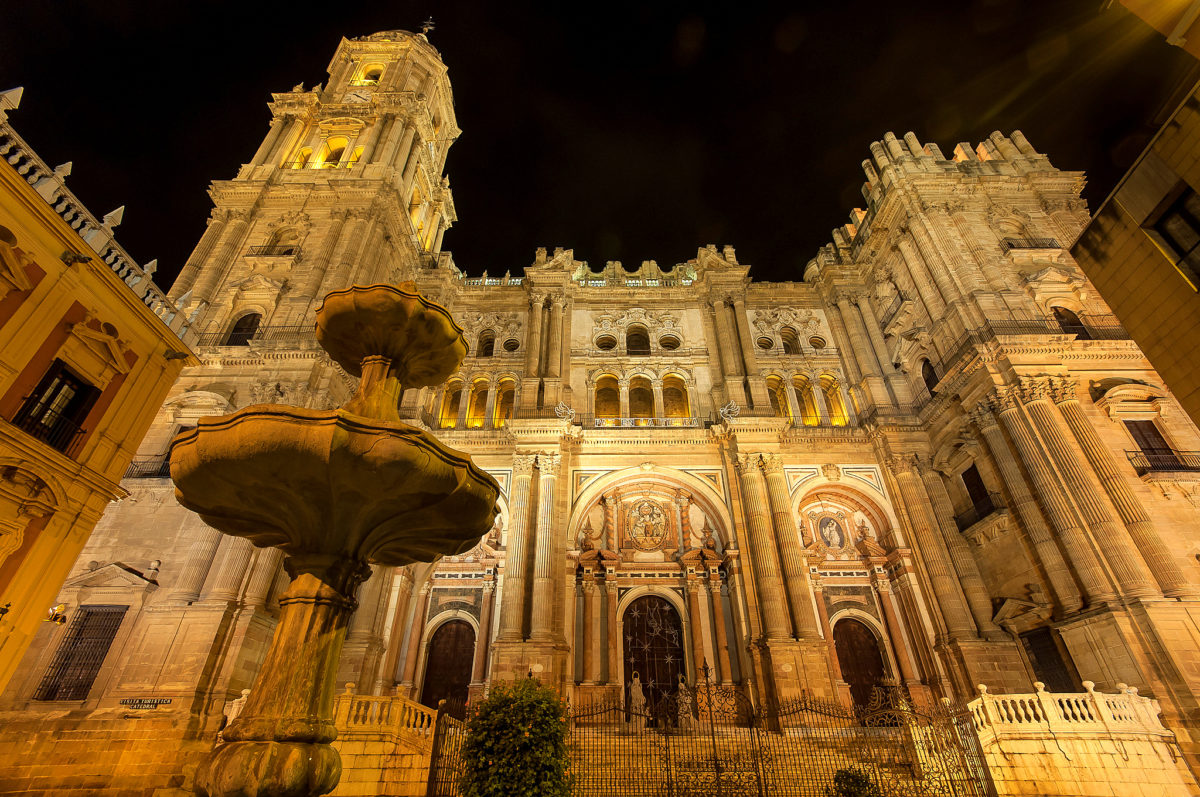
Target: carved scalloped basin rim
x=419, y=336
x=330, y=482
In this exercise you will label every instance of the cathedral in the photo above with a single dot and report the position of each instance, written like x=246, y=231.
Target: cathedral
x=934, y=458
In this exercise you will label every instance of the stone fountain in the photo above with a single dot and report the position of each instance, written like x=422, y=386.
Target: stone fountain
x=336, y=491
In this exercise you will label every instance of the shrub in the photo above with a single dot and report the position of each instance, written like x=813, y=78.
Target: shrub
x=852, y=782
x=516, y=743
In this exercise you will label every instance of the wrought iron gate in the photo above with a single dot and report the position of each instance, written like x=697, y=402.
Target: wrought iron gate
x=712, y=741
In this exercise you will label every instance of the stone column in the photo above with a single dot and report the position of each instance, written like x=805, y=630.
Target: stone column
x=623, y=387
x=895, y=631
x=464, y=404
x=614, y=652
x=959, y=624
x=489, y=410
x=659, y=406
x=589, y=628
x=693, y=595
x=483, y=642
x=392, y=151
x=1096, y=588
x=794, y=406
x=228, y=570
x=1157, y=555
x=263, y=572
x=359, y=657
x=1128, y=569
x=512, y=603
x=320, y=264
x=391, y=659
x=554, y=344
x=961, y=556
x=415, y=632
x=533, y=354
x=835, y=666
x=898, y=384
x=276, y=130
x=219, y=265
x=196, y=565
x=1062, y=586
x=187, y=276
x=729, y=351
x=795, y=567
x=818, y=397
x=837, y=325
x=742, y=322
x=773, y=599
x=721, y=634
x=861, y=347
x=716, y=345
x=912, y=262
x=541, y=626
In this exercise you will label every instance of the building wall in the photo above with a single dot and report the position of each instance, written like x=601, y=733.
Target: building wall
x=819, y=475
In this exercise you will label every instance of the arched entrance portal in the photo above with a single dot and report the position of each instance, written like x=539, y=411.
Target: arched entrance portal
x=448, y=663
x=653, y=644
x=859, y=657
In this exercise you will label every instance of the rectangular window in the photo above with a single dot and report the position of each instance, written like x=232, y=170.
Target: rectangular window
x=981, y=499
x=54, y=411
x=1047, y=660
x=1154, y=446
x=77, y=660
x=1178, y=227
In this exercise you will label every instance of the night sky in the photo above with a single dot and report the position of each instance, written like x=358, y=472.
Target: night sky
x=627, y=131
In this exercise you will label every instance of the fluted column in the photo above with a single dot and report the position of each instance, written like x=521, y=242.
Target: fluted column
x=623, y=388
x=391, y=659
x=187, y=276
x=725, y=339
x=219, y=265
x=1096, y=588
x=196, y=565
x=534, y=353
x=818, y=398
x=773, y=599
x=489, y=408
x=415, y=632
x=614, y=649
x=1145, y=536
x=512, y=603
x=1116, y=547
x=1062, y=585
x=861, y=347
x=264, y=149
x=320, y=264
x=961, y=556
x=554, y=345
x=482, y=642
x=919, y=275
x=959, y=623
x=716, y=601
x=895, y=631
x=793, y=403
x=897, y=382
x=589, y=628
x=464, y=405
x=228, y=570
x=795, y=568
x=263, y=572
x=656, y=387
x=543, y=575
x=742, y=322
x=713, y=337
x=693, y=595
x=835, y=666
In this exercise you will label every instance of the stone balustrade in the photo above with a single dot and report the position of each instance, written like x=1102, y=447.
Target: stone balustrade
x=1126, y=711
x=355, y=715
x=384, y=743
x=97, y=233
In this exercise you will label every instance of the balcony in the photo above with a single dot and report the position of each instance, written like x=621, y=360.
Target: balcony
x=280, y=333
x=274, y=250
x=149, y=468
x=55, y=430
x=1164, y=460
x=985, y=506
x=1009, y=244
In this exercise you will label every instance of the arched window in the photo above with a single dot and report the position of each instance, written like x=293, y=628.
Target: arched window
x=641, y=401
x=450, y=404
x=779, y=402
x=243, y=330
x=334, y=149
x=929, y=375
x=284, y=242
x=675, y=398
x=608, y=398
x=804, y=396
x=637, y=342
x=302, y=158
x=833, y=400
x=1070, y=323
x=477, y=409
x=505, y=399
x=791, y=341
x=371, y=74
x=487, y=343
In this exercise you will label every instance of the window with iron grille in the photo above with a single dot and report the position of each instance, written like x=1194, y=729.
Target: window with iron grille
x=55, y=410
x=77, y=660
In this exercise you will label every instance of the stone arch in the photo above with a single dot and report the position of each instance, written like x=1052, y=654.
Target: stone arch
x=879, y=515
x=58, y=494
x=680, y=605
x=431, y=628
x=876, y=629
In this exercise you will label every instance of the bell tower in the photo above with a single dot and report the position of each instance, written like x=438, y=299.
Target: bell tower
x=347, y=186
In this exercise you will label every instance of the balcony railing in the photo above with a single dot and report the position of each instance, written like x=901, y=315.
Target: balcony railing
x=55, y=430
x=1093, y=327
x=1163, y=460
x=274, y=250
x=986, y=505
x=280, y=333
x=149, y=468
x=1008, y=244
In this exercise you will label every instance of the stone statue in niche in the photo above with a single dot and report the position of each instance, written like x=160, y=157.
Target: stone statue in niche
x=831, y=533
x=647, y=526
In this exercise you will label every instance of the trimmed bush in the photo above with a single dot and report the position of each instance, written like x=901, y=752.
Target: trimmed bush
x=516, y=743
x=852, y=782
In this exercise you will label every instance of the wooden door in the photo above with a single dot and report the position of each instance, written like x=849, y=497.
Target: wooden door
x=653, y=645
x=448, y=663
x=859, y=657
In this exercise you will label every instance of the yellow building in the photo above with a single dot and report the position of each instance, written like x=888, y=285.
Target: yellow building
x=89, y=347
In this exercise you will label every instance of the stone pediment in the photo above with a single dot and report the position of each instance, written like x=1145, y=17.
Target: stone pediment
x=1017, y=615
x=909, y=347
x=95, y=353
x=262, y=280
x=1046, y=283
x=112, y=575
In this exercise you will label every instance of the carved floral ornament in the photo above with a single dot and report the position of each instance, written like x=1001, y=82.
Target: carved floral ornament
x=656, y=322
x=771, y=320
x=505, y=325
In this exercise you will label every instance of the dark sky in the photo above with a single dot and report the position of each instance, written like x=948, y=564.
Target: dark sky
x=627, y=131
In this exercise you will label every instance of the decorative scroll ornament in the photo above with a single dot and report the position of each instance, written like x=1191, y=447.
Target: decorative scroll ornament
x=562, y=410
x=729, y=411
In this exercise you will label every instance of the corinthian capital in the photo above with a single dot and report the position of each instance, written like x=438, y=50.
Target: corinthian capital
x=772, y=463
x=748, y=462
x=983, y=416
x=903, y=463
x=549, y=464
x=1064, y=389
x=1034, y=388
x=1002, y=399
x=523, y=464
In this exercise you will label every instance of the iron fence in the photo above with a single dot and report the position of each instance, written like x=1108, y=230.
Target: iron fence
x=1163, y=459
x=275, y=333
x=149, y=468
x=712, y=740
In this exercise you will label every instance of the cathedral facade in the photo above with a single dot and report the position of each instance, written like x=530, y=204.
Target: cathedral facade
x=934, y=458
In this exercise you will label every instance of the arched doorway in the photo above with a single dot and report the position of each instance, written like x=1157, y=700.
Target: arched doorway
x=653, y=645
x=448, y=663
x=859, y=657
